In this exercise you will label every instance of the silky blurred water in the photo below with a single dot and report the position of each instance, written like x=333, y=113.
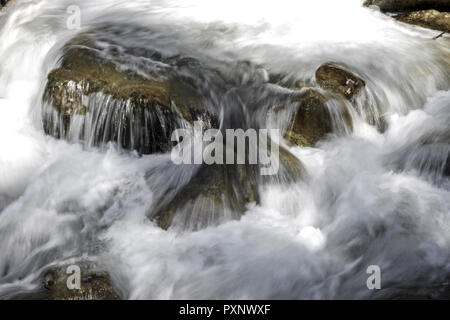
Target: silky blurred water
x=369, y=198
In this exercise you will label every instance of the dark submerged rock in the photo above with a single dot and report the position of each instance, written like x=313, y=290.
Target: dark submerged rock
x=215, y=194
x=408, y=5
x=218, y=193
x=94, y=285
x=312, y=120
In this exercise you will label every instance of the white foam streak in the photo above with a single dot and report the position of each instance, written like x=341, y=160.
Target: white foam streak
x=361, y=204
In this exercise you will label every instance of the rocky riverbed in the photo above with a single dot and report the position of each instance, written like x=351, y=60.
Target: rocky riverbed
x=364, y=151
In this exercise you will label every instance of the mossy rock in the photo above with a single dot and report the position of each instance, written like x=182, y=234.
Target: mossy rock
x=143, y=111
x=94, y=285
x=221, y=192
x=336, y=78
x=215, y=194
x=312, y=119
x=431, y=19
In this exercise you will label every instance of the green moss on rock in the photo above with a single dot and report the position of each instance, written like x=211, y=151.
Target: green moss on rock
x=215, y=193
x=94, y=286
x=431, y=19
x=166, y=98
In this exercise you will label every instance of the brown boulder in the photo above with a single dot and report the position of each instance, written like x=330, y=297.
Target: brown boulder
x=137, y=112
x=432, y=19
x=94, y=286
x=312, y=120
x=338, y=79
x=215, y=194
x=221, y=192
x=3, y=3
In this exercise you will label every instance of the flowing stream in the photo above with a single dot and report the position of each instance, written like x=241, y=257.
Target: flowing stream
x=371, y=197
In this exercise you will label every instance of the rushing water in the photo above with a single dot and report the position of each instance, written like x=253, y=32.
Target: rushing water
x=369, y=198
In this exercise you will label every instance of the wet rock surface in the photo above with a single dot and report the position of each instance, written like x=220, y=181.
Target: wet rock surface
x=218, y=193
x=312, y=119
x=432, y=19
x=138, y=112
x=319, y=110
x=338, y=79
x=94, y=286
x=215, y=194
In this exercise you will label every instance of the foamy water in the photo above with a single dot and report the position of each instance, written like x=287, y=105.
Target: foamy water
x=370, y=198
